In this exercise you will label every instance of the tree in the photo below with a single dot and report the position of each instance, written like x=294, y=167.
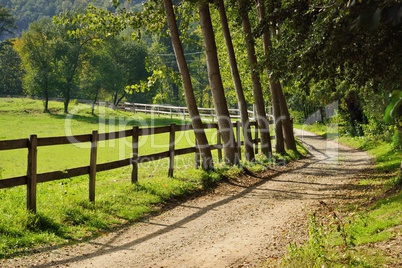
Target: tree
x=249, y=152
x=281, y=112
x=69, y=54
x=11, y=73
x=166, y=89
x=324, y=45
x=37, y=50
x=92, y=76
x=262, y=120
x=215, y=82
x=205, y=151
x=389, y=15
x=7, y=25
x=127, y=67
x=7, y=22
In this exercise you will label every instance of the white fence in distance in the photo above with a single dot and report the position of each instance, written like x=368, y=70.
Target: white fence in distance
x=181, y=111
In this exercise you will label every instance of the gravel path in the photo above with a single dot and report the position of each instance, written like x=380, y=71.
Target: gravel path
x=243, y=223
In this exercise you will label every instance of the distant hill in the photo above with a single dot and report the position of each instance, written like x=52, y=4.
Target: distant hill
x=28, y=11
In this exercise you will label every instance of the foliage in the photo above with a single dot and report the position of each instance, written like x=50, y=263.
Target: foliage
x=391, y=112
x=37, y=52
x=334, y=45
x=28, y=11
x=7, y=23
x=124, y=63
x=11, y=71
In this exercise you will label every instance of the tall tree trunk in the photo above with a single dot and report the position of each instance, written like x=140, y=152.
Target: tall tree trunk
x=278, y=99
x=279, y=142
x=215, y=81
x=115, y=96
x=116, y=104
x=95, y=100
x=290, y=142
x=67, y=95
x=204, y=148
x=241, y=100
x=262, y=120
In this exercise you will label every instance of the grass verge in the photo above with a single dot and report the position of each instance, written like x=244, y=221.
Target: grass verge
x=369, y=233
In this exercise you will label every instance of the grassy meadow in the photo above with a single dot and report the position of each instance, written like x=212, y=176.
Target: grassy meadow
x=64, y=214
x=19, y=118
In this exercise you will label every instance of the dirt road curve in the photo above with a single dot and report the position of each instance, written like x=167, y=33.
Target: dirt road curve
x=243, y=223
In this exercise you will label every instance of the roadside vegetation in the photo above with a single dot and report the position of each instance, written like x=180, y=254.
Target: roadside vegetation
x=64, y=213
x=363, y=233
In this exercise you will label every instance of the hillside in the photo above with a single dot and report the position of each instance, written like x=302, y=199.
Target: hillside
x=28, y=11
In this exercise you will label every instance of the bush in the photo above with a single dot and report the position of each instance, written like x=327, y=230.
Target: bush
x=297, y=116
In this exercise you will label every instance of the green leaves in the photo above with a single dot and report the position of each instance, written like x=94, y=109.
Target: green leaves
x=142, y=86
x=391, y=112
x=7, y=22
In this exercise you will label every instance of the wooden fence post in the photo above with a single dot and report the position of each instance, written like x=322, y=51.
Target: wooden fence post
x=134, y=171
x=92, y=165
x=219, y=143
x=238, y=139
x=31, y=172
x=171, y=149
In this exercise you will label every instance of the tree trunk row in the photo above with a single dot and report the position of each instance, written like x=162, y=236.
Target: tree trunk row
x=283, y=126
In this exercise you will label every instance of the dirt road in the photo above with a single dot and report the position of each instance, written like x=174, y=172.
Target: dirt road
x=244, y=223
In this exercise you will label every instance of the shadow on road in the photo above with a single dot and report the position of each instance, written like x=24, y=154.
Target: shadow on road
x=322, y=162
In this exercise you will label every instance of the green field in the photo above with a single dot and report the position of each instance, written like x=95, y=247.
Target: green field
x=64, y=213
x=19, y=118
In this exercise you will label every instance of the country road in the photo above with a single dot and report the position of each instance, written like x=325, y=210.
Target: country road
x=243, y=223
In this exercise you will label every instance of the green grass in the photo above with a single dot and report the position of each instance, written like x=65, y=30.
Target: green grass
x=17, y=124
x=64, y=213
x=387, y=158
x=346, y=244
x=325, y=130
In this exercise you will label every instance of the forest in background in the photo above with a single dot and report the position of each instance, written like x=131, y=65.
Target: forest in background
x=28, y=11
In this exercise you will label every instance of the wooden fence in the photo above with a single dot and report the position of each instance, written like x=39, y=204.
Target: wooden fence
x=181, y=111
x=32, y=178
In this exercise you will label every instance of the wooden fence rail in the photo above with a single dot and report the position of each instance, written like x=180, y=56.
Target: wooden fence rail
x=32, y=178
x=180, y=111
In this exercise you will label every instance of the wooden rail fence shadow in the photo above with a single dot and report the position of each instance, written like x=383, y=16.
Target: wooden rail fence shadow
x=32, y=178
